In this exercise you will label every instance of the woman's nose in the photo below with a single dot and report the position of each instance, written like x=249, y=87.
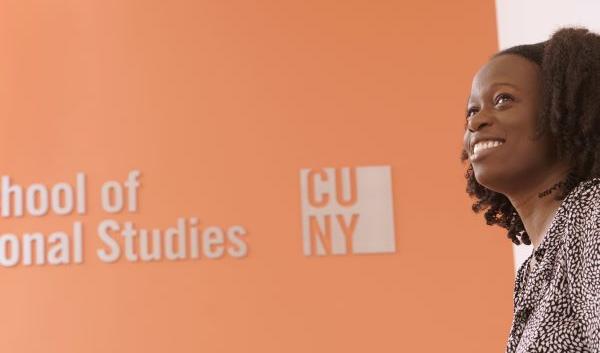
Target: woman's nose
x=479, y=120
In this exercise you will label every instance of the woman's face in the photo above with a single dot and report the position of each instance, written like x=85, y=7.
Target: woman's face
x=501, y=113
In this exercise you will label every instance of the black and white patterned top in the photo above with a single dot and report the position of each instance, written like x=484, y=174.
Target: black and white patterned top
x=557, y=302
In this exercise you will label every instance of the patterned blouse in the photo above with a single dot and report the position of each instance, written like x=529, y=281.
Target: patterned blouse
x=557, y=301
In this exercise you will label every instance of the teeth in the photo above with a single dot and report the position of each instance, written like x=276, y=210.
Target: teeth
x=485, y=144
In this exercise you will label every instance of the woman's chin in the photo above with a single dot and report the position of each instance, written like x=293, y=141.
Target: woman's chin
x=489, y=179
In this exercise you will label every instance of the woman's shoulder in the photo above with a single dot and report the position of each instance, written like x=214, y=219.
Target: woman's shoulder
x=583, y=216
x=585, y=197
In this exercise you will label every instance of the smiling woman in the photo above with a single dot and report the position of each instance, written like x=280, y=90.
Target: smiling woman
x=533, y=129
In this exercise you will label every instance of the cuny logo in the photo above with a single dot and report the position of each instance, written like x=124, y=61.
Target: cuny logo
x=347, y=210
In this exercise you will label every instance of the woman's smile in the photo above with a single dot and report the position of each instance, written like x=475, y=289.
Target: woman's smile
x=484, y=148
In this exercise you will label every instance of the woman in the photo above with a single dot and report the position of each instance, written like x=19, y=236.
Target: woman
x=532, y=139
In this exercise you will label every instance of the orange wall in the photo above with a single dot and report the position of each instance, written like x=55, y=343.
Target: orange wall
x=220, y=105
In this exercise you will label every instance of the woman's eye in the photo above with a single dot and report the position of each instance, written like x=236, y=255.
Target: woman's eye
x=471, y=111
x=502, y=98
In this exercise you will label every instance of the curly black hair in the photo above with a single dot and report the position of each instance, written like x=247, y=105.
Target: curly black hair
x=570, y=66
